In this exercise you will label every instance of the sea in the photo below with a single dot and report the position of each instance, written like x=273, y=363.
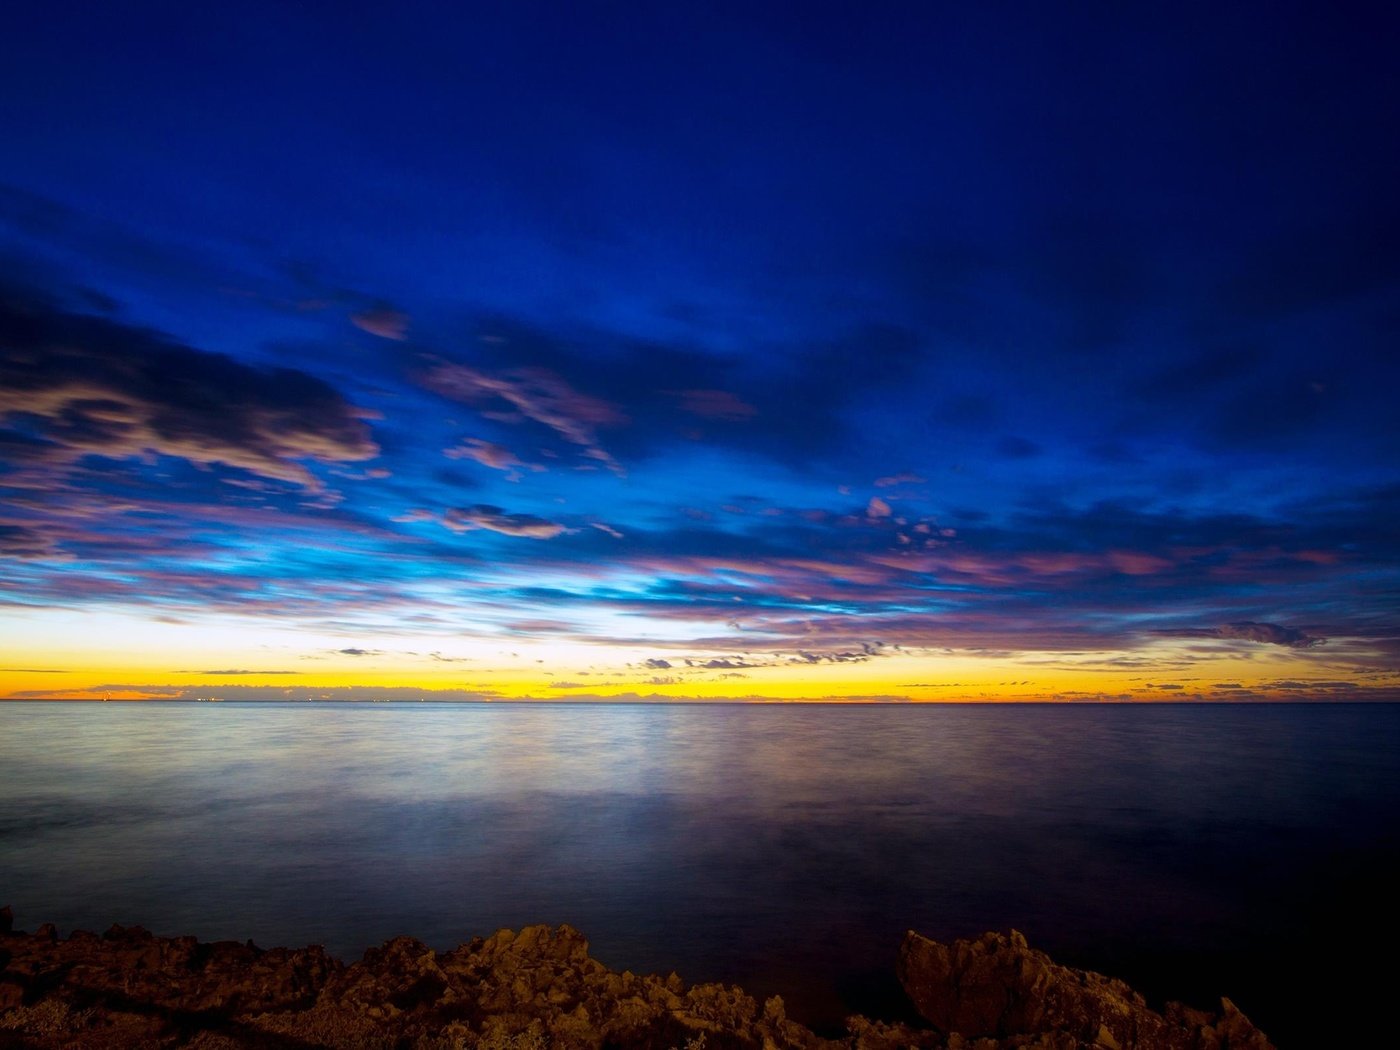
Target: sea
x=1251, y=851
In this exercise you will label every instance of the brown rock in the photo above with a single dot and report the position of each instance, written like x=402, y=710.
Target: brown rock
x=999, y=987
x=539, y=988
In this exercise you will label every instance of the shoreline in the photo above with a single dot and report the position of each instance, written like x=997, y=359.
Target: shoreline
x=538, y=988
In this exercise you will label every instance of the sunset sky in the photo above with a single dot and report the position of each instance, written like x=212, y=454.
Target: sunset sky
x=668, y=351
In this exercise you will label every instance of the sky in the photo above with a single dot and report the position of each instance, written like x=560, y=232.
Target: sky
x=699, y=351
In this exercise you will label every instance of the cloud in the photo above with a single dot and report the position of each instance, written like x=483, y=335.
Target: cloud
x=22, y=541
x=1256, y=396
x=92, y=386
x=866, y=652
x=637, y=399
x=877, y=508
x=490, y=454
x=1099, y=578
x=24, y=450
x=536, y=394
x=494, y=519
x=112, y=247
x=237, y=671
x=487, y=453
x=279, y=693
x=905, y=478
x=385, y=322
x=1251, y=631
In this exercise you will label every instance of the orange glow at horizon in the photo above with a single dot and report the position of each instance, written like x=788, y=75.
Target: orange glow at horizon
x=136, y=658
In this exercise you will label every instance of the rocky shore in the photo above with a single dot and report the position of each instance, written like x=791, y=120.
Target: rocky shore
x=538, y=988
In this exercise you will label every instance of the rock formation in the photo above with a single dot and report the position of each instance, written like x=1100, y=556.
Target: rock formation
x=1000, y=988
x=537, y=989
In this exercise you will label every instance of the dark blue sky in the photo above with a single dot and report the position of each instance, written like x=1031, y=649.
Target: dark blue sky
x=773, y=342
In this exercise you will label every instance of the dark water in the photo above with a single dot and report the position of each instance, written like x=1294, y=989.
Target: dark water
x=1252, y=851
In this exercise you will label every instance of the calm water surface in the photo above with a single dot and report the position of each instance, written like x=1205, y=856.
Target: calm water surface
x=1250, y=851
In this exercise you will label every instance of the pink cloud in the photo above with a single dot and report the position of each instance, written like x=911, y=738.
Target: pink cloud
x=490, y=454
x=536, y=394
x=493, y=519
x=384, y=322
x=487, y=453
x=1137, y=563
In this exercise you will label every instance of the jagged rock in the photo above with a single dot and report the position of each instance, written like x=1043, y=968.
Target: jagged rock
x=135, y=986
x=999, y=987
x=534, y=989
